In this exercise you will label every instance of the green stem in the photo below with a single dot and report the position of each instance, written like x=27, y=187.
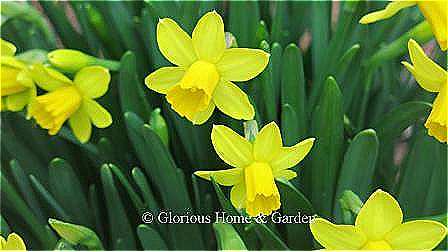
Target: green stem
x=109, y=64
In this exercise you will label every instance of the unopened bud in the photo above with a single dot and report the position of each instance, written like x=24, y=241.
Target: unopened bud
x=69, y=60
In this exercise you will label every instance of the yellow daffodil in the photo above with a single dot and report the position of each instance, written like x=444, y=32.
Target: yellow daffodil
x=256, y=166
x=432, y=78
x=379, y=226
x=435, y=12
x=14, y=242
x=205, y=68
x=71, y=100
x=17, y=87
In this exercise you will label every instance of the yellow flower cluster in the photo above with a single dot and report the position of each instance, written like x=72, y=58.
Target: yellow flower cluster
x=65, y=100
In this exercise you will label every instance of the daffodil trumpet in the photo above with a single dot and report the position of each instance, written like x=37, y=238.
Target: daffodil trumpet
x=432, y=78
x=71, y=100
x=435, y=12
x=205, y=69
x=379, y=226
x=256, y=166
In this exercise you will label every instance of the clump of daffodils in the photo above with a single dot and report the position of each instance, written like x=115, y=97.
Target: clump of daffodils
x=432, y=78
x=17, y=86
x=256, y=166
x=205, y=69
x=379, y=226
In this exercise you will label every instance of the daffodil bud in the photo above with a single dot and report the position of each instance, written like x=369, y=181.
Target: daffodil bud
x=76, y=234
x=158, y=125
x=69, y=60
x=350, y=205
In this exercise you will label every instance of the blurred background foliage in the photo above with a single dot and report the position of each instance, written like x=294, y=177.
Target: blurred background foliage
x=328, y=77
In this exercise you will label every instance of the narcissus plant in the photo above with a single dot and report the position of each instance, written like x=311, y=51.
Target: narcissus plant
x=205, y=69
x=379, y=226
x=256, y=166
x=13, y=242
x=432, y=78
x=71, y=100
x=17, y=86
x=435, y=12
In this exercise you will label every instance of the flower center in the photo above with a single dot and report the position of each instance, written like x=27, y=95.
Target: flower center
x=9, y=84
x=194, y=91
x=437, y=120
x=54, y=108
x=377, y=245
x=262, y=195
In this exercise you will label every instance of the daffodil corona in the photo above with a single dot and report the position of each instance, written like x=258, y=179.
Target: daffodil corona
x=256, y=166
x=13, y=242
x=17, y=87
x=435, y=12
x=379, y=226
x=432, y=78
x=202, y=79
x=71, y=100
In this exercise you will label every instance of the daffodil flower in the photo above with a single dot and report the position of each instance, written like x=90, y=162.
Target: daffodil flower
x=435, y=13
x=205, y=69
x=256, y=166
x=71, y=100
x=432, y=78
x=379, y=226
x=14, y=242
x=17, y=87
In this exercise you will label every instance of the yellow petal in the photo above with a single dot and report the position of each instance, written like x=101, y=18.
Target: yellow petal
x=7, y=48
x=231, y=147
x=437, y=120
x=81, y=126
x=436, y=14
x=290, y=156
x=227, y=177
x=174, y=43
x=241, y=64
x=337, y=237
x=93, y=81
x=14, y=242
x=208, y=37
x=379, y=215
x=232, y=101
x=16, y=102
x=2, y=242
x=416, y=235
x=267, y=143
x=285, y=174
x=200, y=118
x=99, y=116
x=428, y=74
x=164, y=78
x=390, y=10
x=47, y=78
x=238, y=195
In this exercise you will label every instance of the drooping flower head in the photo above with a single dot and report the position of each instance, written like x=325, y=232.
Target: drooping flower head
x=379, y=226
x=71, y=100
x=435, y=12
x=13, y=242
x=17, y=87
x=432, y=78
x=256, y=166
x=204, y=70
